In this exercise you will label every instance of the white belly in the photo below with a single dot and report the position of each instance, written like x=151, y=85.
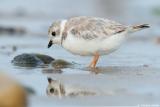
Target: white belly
x=90, y=47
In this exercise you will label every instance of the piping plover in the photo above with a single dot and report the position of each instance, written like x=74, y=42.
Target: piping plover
x=90, y=36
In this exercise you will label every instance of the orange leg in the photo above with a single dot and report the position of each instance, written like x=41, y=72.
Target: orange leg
x=94, y=61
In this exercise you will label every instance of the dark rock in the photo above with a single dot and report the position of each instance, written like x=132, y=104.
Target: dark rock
x=12, y=30
x=31, y=60
x=59, y=63
x=26, y=60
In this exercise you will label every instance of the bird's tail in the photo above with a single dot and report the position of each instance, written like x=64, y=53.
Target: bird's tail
x=136, y=28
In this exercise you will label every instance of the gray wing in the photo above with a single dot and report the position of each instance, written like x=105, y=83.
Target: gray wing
x=91, y=28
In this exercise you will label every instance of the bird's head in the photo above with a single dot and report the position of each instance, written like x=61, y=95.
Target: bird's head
x=54, y=33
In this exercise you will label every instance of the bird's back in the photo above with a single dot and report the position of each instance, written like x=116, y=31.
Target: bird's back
x=92, y=27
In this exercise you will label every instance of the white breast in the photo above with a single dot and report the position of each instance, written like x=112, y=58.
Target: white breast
x=82, y=47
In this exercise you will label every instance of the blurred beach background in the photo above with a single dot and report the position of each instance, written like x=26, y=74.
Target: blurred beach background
x=131, y=73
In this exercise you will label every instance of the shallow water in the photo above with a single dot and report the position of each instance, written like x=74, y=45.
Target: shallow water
x=131, y=73
x=124, y=73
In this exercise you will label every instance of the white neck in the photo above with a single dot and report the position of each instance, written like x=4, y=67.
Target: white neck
x=63, y=23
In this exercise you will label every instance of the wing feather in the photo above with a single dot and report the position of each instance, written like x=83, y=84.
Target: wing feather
x=90, y=27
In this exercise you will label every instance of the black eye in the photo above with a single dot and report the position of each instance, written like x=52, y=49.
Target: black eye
x=51, y=90
x=53, y=33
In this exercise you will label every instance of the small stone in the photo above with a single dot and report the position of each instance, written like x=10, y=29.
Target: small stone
x=59, y=63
